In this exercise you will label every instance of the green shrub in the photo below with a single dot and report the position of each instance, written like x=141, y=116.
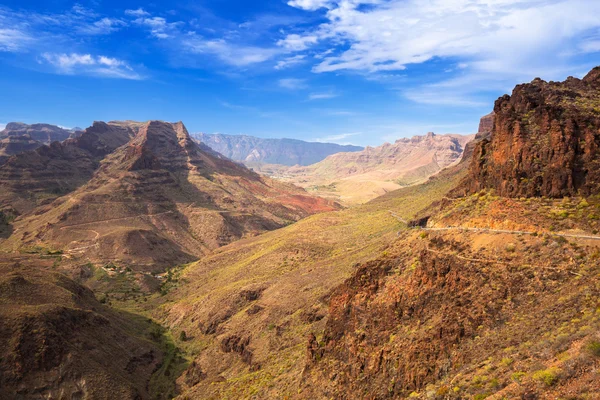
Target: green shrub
x=594, y=348
x=518, y=376
x=547, y=376
x=511, y=247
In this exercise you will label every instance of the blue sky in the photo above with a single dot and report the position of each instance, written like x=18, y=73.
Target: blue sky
x=347, y=71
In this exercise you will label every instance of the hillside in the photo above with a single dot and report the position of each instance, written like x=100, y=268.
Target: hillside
x=43, y=133
x=38, y=177
x=18, y=137
x=254, y=151
x=248, y=307
x=158, y=201
x=58, y=341
x=492, y=297
x=353, y=178
x=12, y=145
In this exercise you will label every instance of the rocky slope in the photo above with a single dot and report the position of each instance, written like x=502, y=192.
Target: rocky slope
x=545, y=141
x=495, y=297
x=252, y=150
x=156, y=201
x=58, y=341
x=43, y=133
x=249, y=306
x=12, y=145
x=18, y=137
x=361, y=176
x=37, y=177
x=455, y=314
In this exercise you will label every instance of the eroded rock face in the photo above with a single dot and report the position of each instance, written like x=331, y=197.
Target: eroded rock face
x=545, y=141
x=44, y=133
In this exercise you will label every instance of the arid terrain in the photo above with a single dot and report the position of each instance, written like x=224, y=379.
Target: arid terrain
x=357, y=177
x=139, y=264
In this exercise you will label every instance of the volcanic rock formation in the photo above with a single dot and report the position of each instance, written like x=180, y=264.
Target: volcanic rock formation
x=545, y=141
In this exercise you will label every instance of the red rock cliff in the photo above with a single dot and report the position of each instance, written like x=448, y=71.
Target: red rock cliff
x=544, y=142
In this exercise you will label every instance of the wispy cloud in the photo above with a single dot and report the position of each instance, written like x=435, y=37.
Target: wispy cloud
x=86, y=64
x=290, y=61
x=137, y=13
x=512, y=40
x=227, y=52
x=322, y=96
x=293, y=83
x=337, y=138
x=297, y=42
x=13, y=40
x=159, y=27
x=103, y=26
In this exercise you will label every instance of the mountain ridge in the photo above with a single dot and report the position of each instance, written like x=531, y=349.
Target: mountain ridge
x=253, y=150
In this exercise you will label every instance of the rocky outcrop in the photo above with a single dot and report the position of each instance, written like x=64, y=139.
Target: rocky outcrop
x=253, y=150
x=486, y=124
x=544, y=142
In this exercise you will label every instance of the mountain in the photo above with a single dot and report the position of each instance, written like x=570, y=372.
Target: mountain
x=33, y=178
x=18, y=137
x=252, y=150
x=361, y=176
x=156, y=201
x=253, y=303
x=11, y=145
x=44, y=133
x=490, y=297
x=545, y=141
x=58, y=341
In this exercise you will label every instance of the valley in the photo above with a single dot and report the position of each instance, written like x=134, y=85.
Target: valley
x=139, y=263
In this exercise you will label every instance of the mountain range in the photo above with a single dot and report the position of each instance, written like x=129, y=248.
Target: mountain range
x=360, y=176
x=254, y=151
x=137, y=263
x=17, y=137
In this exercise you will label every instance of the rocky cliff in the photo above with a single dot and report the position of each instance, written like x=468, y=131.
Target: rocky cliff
x=253, y=150
x=544, y=142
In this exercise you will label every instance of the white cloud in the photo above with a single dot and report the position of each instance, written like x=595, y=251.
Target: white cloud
x=159, y=27
x=322, y=96
x=295, y=42
x=292, y=83
x=86, y=64
x=290, y=61
x=137, y=13
x=309, y=4
x=13, y=40
x=239, y=56
x=513, y=40
x=103, y=26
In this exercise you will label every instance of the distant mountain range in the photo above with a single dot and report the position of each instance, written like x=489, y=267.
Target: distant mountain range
x=361, y=176
x=253, y=150
x=18, y=137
